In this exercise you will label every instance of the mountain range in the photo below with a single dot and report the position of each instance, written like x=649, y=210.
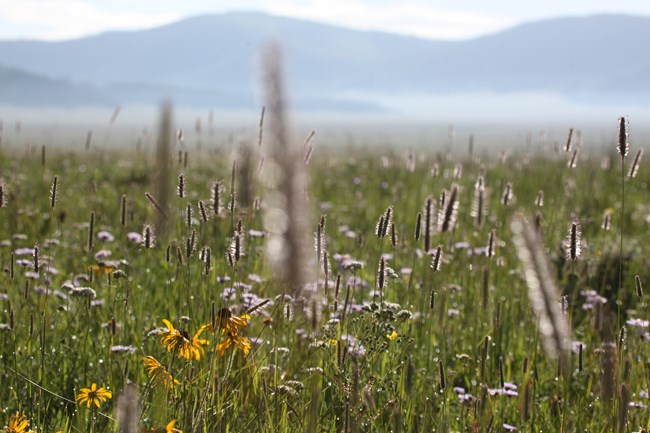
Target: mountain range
x=214, y=61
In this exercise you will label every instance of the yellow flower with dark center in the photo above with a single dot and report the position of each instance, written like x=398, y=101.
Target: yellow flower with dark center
x=158, y=373
x=229, y=323
x=18, y=424
x=169, y=428
x=239, y=341
x=186, y=346
x=93, y=395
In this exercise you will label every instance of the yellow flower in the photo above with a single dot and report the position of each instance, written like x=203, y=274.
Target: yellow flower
x=169, y=428
x=392, y=336
x=333, y=342
x=101, y=269
x=237, y=340
x=158, y=373
x=17, y=424
x=93, y=395
x=229, y=322
x=180, y=341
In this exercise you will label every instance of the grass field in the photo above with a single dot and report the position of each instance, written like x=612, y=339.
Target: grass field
x=183, y=322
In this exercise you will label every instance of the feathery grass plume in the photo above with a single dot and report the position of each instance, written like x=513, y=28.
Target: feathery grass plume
x=203, y=212
x=574, y=241
x=410, y=162
x=428, y=222
x=91, y=231
x=156, y=205
x=580, y=356
x=148, y=236
x=418, y=227
x=123, y=211
x=308, y=148
x=216, y=198
x=236, y=248
x=261, y=129
x=639, y=286
x=188, y=215
x=163, y=166
x=319, y=240
x=381, y=229
x=458, y=171
x=233, y=191
x=286, y=218
x=3, y=195
x=128, y=410
x=442, y=201
x=478, y=207
x=634, y=168
x=574, y=159
x=567, y=146
x=190, y=244
x=506, y=198
x=607, y=220
x=542, y=292
x=539, y=201
x=436, y=261
x=564, y=304
x=441, y=371
x=623, y=146
x=36, y=257
x=393, y=235
x=381, y=274
x=43, y=155
x=448, y=214
x=326, y=267
x=180, y=190
x=53, y=191
x=489, y=250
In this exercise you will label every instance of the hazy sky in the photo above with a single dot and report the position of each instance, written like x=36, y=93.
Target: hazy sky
x=64, y=19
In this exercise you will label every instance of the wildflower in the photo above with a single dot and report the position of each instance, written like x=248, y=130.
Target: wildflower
x=18, y=424
x=93, y=395
x=169, y=428
x=392, y=336
x=102, y=254
x=134, y=237
x=229, y=322
x=158, y=373
x=105, y=236
x=83, y=292
x=187, y=347
x=101, y=268
x=237, y=340
x=123, y=349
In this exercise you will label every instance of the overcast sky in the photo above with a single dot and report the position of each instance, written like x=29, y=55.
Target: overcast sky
x=458, y=19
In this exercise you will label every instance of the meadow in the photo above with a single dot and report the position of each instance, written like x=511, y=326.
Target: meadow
x=168, y=288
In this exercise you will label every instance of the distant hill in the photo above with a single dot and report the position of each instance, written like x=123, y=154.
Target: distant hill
x=214, y=61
